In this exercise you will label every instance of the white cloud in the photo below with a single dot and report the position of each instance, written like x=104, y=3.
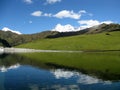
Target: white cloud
x=69, y=14
x=60, y=14
x=36, y=13
x=52, y=1
x=7, y=29
x=28, y=1
x=40, y=13
x=90, y=23
x=83, y=25
x=64, y=28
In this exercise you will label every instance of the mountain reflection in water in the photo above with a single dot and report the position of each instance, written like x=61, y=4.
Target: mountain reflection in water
x=20, y=73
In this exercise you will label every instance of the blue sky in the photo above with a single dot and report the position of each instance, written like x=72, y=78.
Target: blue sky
x=32, y=16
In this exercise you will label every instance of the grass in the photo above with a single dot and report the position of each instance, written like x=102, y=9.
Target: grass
x=81, y=42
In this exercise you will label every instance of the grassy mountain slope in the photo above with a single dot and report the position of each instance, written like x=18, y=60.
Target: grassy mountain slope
x=104, y=28
x=101, y=41
x=71, y=43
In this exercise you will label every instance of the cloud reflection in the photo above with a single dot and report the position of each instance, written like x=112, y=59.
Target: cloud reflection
x=60, y=73
x=82, y=78
x=5, y=69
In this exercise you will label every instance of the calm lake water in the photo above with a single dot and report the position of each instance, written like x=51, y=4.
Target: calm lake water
x=19, y=72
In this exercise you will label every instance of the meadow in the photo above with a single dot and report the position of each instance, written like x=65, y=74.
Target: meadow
x=99, y=41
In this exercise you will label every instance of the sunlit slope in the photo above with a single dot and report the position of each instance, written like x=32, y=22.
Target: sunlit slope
x=102, y=41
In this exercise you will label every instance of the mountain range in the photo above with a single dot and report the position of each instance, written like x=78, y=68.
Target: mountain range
x=10, y=38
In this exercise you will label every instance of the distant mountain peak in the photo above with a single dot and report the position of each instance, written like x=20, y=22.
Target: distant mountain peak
x=13, y=31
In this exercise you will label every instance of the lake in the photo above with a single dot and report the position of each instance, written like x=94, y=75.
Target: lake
x=60, y=71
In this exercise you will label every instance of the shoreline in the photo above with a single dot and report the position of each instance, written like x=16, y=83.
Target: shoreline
x=26, y=50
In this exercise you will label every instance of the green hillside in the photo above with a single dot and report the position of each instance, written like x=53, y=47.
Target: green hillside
x=10, y=39
x=100, y=41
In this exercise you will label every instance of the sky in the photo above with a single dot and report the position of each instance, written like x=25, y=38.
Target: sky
x=33, y=16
